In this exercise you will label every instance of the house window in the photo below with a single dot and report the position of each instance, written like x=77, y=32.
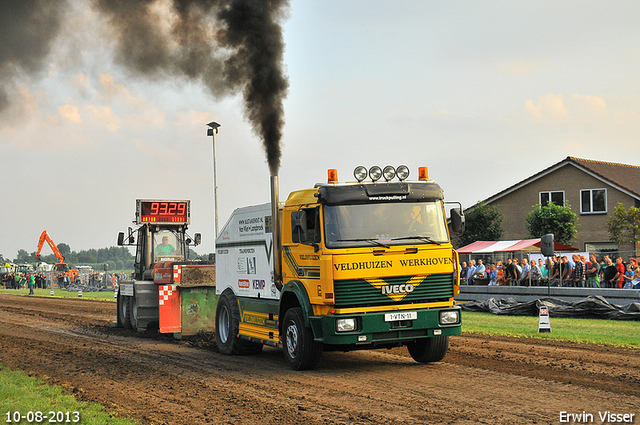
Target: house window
x=601, y=248
x=593, y=201
x=556, y=198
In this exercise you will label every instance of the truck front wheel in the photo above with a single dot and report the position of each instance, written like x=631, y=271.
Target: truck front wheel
x=299, y=348
x=227, y=326
x=429, y=350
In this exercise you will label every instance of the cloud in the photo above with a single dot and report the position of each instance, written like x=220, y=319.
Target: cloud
x=549, y=107
x=70, y=112
x=110, y=90
x=23, y=106
x=578, y=107
x=194, y=117
x=105, y=117
x=81, y=83
x=590, y=105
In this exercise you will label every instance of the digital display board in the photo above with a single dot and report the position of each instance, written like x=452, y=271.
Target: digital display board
x=151, y=211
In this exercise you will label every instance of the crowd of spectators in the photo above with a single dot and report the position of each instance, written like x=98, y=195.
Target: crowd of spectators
x=577, y=271
x=44, y=280
x=22, y=280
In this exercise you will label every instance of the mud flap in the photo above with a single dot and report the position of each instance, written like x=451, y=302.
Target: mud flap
x=169, y=309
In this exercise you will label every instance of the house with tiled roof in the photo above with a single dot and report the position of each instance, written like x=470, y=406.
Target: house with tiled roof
x=592, y=189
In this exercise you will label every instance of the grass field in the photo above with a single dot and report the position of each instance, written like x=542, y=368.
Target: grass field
x=608, y=332
x=36, y=402
x=59, y=293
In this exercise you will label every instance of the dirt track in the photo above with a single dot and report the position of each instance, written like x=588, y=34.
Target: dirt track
x=483, y=380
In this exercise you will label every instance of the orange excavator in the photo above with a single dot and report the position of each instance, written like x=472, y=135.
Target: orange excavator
x=60, y=268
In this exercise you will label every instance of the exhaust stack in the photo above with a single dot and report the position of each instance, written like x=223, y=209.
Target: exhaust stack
x=277, y=234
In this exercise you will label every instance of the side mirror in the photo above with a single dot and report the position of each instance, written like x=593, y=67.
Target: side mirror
x=547, y=245
x=457, y=220
x=120, y=238
x=198, y=239
x=299, y=226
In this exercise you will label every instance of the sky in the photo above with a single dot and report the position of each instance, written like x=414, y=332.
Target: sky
x=485, y=94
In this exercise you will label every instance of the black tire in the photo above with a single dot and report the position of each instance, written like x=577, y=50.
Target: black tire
x=133, y=311
x=300, y=350
x=429, y=350
x=124, y=319
x=227, y=325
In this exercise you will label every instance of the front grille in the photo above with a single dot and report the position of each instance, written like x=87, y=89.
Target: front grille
x=360, y=293
x=395, y=335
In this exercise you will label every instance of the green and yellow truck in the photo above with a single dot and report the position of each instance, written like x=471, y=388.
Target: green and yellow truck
x=341, y=266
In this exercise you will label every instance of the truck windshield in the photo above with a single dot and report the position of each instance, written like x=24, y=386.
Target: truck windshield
x=167, y=246
x=385, y=224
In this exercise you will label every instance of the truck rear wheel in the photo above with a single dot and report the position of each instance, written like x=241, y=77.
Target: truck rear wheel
x=133, y=311
x=123, y=311
x=227, y=326
x=300, y=350
x=429, y=350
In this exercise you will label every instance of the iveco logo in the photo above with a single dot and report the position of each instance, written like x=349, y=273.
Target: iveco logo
x=397, y=289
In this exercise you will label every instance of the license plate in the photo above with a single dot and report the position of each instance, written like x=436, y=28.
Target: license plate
x=405, y=315
x=126, y=289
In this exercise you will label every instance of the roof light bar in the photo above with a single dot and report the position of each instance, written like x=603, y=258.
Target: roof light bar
x=375, y=173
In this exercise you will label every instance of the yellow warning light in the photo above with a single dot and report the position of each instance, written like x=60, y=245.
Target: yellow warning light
x=423, y=173
x=332, y=175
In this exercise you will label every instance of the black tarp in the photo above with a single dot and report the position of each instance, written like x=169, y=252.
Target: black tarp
x=590, y=307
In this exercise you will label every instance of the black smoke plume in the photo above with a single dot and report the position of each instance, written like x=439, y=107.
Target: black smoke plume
x=254, y=33
x=27, y=30
x=228, y=45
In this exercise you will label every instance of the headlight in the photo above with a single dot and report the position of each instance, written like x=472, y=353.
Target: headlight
x=403, y=172
x=346, y=325
x=389, y=172
x=449, y=317
x=360, y=173
x=375, y=173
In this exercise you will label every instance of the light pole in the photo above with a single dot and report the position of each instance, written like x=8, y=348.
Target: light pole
x=212, y=131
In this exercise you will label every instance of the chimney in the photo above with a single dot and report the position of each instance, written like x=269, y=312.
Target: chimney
x=277, y=233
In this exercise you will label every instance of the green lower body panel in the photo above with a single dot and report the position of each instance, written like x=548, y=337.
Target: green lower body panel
x=259, y=320
x=198, y=309
x=372, y=328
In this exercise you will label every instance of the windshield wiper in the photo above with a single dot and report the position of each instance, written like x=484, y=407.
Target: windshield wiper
x=421, y=238
x=373, y=241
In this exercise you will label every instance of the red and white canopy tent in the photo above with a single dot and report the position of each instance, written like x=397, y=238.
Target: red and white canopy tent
x=525, y=245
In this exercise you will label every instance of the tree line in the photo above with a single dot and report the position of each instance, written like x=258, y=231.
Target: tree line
x=117, y=258
x=484, y=223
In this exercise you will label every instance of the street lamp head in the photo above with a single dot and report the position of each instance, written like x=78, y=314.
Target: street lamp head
x=214, y=128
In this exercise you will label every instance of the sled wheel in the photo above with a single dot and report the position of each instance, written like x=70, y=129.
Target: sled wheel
x=133, y=311
x=123, y=311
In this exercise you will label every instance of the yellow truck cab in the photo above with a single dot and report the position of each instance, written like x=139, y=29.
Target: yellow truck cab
x=364, y=265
